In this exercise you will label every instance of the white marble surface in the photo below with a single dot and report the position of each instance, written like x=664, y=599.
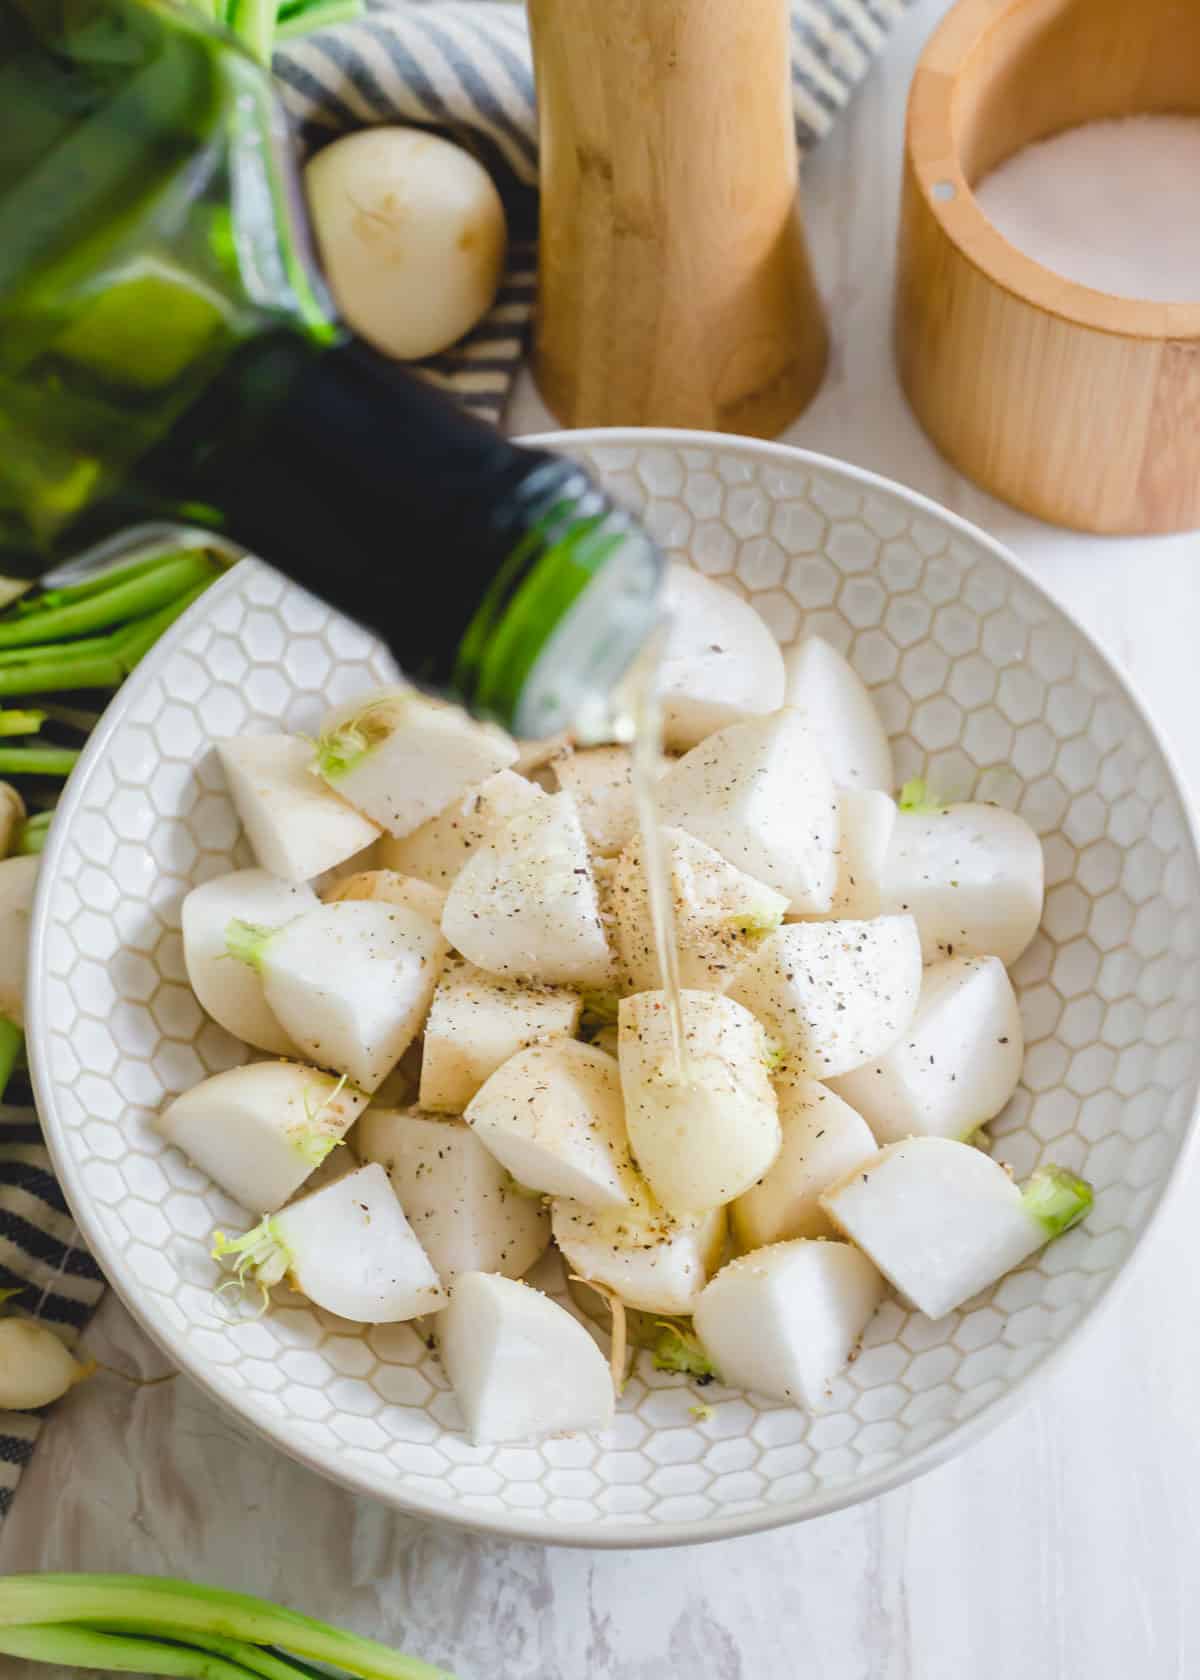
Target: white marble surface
x=1063, y=1545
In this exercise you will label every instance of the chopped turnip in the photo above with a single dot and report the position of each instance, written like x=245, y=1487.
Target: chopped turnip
x=437, y=850
x=648, y=1259
x=704, y=1133
x=296, y=827
x=35, y=1368
x=721, y=914
x=259, y=1131
x=834, y=995
x=554, y=1116
x=822, y=1139
x=18, y=884
x=462, y=1204
x=524, y=905
x=232, y=992
x=784, y=1320
x=351, y=982
x=956, y=1064
x=943, y=1221
x=834, y=702
x=599, y=780
x=12, y=816
x=388, y=886
x=865, y=823
x=972, y=875
x=400, y=757
x=347, y=1247
x=476, y=1022
x=719, y=662
x=761, y=795
x=521, y=1367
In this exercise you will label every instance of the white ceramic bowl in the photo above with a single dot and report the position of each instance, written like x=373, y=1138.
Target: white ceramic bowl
x=988, y=689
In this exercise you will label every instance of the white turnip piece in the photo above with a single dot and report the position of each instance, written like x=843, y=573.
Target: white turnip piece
x=834, y=702
x=388, y=886
x=720, y=664
x=721, y=914
x=865, y=823
x=412, y=237
x=464, y=1207
x=942, y=1220
x=973, y=876
x=554, y=1116
x=259, y=1131
x=296, y=827
x=521, y=1367
x=600, y=781
x=476, y=1022
x=524, y=906
x=760, y=794
x=957, y=1063
x=784, y=1320
x=833, y=995
x=231, y=992
x=347, y=1247
x=18, y=884
x=35, y=1368
x=823, y=1138
x=350, y=981
x=437, y=850
x=647, y=1258
x=704, y=1134
x=12, y=815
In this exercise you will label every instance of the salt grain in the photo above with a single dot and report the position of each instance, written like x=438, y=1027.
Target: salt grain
x=1113, y=205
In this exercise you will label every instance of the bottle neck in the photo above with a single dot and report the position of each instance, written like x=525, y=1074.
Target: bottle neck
x=500, y=575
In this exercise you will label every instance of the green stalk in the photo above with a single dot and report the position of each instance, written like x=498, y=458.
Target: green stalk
x=252, y=1658
x=177, y=1610
x=37, y=761
x=245, y=941
x=12, y=1042
x=96, y=662
x=33, y=833
x=136, y=639
x=80, y=1647
x=301, y=19
x=1056, y=1198
x=21, y=723
x=119, y=602
x=96, y=583
x=253, y=22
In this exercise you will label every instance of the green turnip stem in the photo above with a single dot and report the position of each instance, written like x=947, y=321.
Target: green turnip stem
x=302, y=18
x=12, y=1042
x=168, y=1609
x=21, y=723
x=680, y=1349
x=96, y=661
x=80, y=1647
x=32, y=836
x=38, y=761
x=96, y=583
x=250, y=1658
x=1056, y=1198
x=253, y=22
x=915, y=796
x=245, y=941
x=261, y=1254
x=123, y=599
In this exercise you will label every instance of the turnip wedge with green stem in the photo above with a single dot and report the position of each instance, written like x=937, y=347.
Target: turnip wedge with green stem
x=149, y=1624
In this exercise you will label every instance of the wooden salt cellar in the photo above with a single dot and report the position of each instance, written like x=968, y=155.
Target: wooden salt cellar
x=1078, y=407
x=674, y=282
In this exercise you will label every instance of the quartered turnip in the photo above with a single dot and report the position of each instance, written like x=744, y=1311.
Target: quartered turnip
x=956, y=1064
x=823, y=1138
x=554, y=1116
x=784, y=1320
x=18, y=884
x=232, y=992
x=521, y=1367
x=834, y=702
x=721, y=914
x=400, y=757
x=646, y=1257
x=943, y=1221
x=388, y=886
x=35, y=1368
x=760, y=794
x=705, y=1133
x=600, y=781
x=462, y=1204
x=259, y=1131
x=350, y=981
x=12, y=815
x=347, y=1247
x=525, y=906
x=296, y=827
x=865, y=823
x=476, y=1022
x=719, y=662
x=834, y=995
x=972, y=875
x=437, y=850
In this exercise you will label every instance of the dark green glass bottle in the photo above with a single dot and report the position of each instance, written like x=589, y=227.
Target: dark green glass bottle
x=167, y=348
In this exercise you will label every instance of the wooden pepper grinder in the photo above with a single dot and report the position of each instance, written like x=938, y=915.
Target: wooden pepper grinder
x=674, y=281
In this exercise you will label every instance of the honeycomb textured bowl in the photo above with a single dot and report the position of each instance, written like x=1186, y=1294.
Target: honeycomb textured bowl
x=987, y=688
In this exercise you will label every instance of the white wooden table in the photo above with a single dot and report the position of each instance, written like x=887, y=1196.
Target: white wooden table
x=1065, y=1545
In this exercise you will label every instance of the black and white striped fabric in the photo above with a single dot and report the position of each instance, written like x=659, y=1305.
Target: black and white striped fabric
x=462, y=66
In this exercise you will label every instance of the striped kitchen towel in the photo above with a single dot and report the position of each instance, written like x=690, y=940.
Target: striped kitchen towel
x=462, y=66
